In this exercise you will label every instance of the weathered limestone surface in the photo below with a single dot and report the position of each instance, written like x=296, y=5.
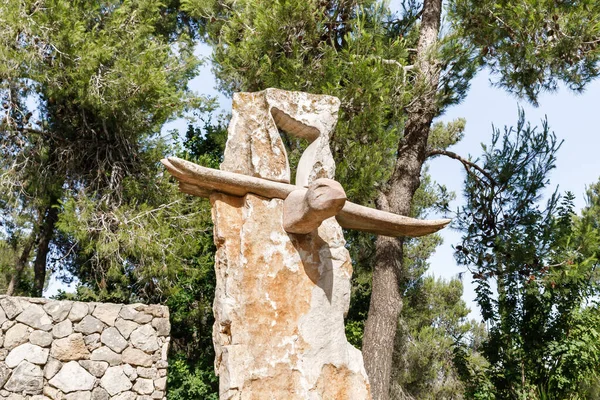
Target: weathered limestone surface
x=281, y=298
x=64, y=350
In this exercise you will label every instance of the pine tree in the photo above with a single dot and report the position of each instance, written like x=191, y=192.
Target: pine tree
x=535, y=269
x=85, y=88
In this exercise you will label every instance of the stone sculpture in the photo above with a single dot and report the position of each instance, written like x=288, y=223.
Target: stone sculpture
x=283, y=272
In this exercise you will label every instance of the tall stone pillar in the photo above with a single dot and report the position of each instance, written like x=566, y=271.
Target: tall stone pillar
x=281, y=298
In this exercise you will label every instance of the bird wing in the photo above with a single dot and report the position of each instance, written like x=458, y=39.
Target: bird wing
x=201, y=181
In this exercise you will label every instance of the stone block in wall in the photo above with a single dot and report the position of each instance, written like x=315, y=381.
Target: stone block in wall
x=65, y=350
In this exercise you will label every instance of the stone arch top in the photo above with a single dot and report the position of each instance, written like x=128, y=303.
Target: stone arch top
x=254, y=145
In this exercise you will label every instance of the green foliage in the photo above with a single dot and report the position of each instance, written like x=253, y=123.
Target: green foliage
x=433, y=318
x=10, y=252
x=534, y=44
x=578, y=354
x=444, y=135
x=100, y=79
x=330, y=58
x=543, y=261
x=85, y=88
x=191, y=299
x=185, y=384
x=191, y=371
x=149, y=242
x=471, y=366
x=159, y=251
x=206, y=144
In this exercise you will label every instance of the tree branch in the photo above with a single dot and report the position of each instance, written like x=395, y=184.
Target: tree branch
x=396, y=63
x=466, y=163
x=45, y=133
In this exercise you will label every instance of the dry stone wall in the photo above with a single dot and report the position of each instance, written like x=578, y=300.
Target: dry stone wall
x=65, y=350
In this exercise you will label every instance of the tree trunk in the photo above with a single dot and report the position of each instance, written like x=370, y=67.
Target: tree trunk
x=46, y=233
x=16, y=277
x=386, y=299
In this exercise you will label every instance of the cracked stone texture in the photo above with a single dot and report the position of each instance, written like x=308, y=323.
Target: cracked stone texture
x=70, y=348
x=73, y=377
x=115, y=381
x=281, y=298
x=113, y=339
x=35, y=317
x=27, y=378
x=17, y=335
x=27, y=351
